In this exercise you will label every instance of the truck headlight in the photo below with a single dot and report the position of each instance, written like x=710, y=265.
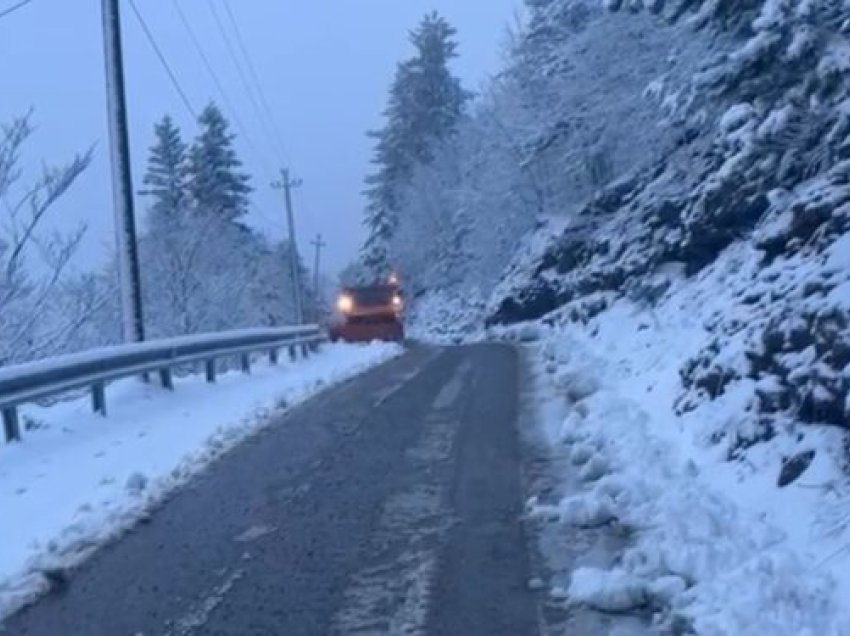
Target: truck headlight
x=345, y=303
x=397, y=302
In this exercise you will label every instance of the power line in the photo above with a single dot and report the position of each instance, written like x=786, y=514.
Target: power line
x=252, y=69
x=162, y=59
x=234, y=113
x=275, y=224
x=14, y=8
x=241, y=71
x=211, y=70
x=228, y=103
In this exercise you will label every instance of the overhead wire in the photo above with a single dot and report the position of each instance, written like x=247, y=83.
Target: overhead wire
x=216, y=80
x=228, y=104
x=152, y=40
x=13, y=8
x=239, y=69
x=252, y=69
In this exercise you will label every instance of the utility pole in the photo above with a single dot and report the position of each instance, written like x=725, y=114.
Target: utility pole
x=122, y=182
x=318, y=243
x=287, y=184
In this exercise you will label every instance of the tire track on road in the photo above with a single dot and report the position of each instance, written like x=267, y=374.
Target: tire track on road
x=392, y=594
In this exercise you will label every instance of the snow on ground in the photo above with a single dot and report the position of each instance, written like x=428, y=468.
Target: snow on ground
x=714, y=540
x=79, y=479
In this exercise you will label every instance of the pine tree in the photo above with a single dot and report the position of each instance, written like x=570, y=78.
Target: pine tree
x=425, y=103
x=165, y=179
x=216, y=184
x=436, y=98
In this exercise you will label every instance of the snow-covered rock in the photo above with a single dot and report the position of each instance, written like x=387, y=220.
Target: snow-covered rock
x=594, y=469
x=608, y=590
x=587, y=511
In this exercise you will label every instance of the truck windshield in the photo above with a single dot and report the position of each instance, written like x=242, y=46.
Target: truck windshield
x=373, y=296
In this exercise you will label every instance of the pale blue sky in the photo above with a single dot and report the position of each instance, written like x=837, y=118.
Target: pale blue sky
x=325, y=65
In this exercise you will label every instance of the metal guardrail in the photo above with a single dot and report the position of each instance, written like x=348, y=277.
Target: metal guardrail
x=23, y=383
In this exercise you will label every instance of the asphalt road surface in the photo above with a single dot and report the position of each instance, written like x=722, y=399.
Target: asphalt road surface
x=387, y=505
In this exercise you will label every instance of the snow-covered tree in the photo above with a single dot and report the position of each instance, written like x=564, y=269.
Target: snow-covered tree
x=217, y=185
x=425, y=103
x=208, y=271
x=436, y=99
x=165, y=180
x=541, y=139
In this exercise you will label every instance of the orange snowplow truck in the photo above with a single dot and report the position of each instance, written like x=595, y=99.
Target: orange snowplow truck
x=369, y=312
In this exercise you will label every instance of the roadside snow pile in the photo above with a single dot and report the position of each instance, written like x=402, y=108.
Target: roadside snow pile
x=79, y=480
x=618, y=591
x=715, y=541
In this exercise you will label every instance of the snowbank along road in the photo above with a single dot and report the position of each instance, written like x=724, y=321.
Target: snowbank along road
x=390, y=504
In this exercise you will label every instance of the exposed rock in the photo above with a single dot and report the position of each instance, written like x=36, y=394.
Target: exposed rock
x=793, y=467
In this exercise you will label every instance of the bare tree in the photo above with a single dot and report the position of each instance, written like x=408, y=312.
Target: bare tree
x=31, y=292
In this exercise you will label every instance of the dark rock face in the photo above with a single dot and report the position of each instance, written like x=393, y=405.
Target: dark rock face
x=565, y=256
x=529, y=304
x=702, y=375
x=800, y=360
x=807, y=354
x=811, y=224
x=630, y=229
x=722, y=218
x=793, y=467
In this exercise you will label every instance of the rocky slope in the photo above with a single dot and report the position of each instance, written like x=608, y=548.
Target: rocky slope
x=763, y=162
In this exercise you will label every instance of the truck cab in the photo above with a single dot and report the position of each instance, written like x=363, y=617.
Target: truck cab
x=369, y=312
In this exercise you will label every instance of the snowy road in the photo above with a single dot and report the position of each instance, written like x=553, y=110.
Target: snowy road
x=389, y=504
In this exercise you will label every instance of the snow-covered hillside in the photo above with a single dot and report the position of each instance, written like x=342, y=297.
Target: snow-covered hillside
x=702, y=292
x=738, y=522
x=756, y=199
x=708, y=416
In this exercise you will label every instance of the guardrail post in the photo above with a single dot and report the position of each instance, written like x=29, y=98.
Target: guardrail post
x=210, y=370
x=305, y=351
x=11, y=424
x=165, y=379
x=98, y=398
x=314, y=346
x=293, y=353
x=246, y=362
x=273, y=355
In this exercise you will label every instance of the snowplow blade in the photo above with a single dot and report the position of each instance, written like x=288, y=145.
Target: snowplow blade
x=387, y=331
